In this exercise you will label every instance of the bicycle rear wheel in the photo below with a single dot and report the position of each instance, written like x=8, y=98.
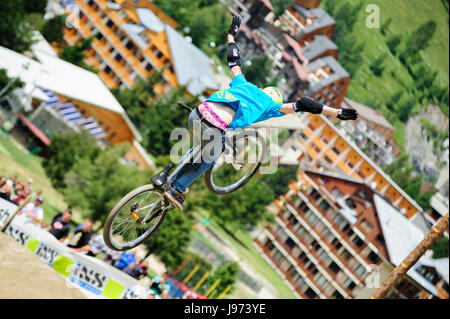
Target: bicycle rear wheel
x=249, y=151
x=135, y=218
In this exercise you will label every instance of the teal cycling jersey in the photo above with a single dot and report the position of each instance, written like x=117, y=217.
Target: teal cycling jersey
x=249, y=102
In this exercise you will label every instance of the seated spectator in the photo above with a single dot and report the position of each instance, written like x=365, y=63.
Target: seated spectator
x=33, y=211
x=60, y=226
x=5, y=193
x=159, y=286
x=2, y=181
x=20, y=195
x=97, y=246
x=136, y=270
x=112, y=256
x=126, y=259
x=79, y=240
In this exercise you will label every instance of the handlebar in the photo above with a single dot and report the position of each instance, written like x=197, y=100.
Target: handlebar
x=184, y=106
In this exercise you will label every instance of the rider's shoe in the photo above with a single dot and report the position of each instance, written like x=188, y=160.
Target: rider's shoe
x=175, y=197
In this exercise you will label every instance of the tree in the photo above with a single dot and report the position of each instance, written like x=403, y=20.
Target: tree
x=259, y=69
x=402, y=174
x=350, y=47
x=5, y=80
x=279, y=6
x=227, y=274
x=75, y=53
x=440, y=248
x=53, y=28
x=278, y=182
x=377, y=65
x=393, y=100
x=64, y=151
x=418, y=40
x=16, y=31
x=393, y=42
x=242, y=209
x=405, y=109
x=35, y=6
x=208, y=24
x=171, y=240
x=95, y=185
x=386, y=25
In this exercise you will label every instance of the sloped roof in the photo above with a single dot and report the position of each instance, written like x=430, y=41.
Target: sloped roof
x=319, y=45
x=322, y=18
x=302, y=71
x=368, y=114
x=441, y=265
x=401, y=237
x=62, y=78
x=296, y=47
x=133, y=31
x=149, y=20
x=338, y=72
x=191, y=65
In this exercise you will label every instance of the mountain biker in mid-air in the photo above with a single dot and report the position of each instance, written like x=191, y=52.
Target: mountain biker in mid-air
x=238, y=107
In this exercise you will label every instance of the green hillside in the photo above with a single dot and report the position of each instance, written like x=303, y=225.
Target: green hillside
x=397, y=18
x=406, y=15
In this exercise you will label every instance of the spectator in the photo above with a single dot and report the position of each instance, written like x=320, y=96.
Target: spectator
x=5, y=192
x=34, y=212
x=112, y=256
x=60, y=226
x=20, y=195
x=2, y=181
x=136, y=270
x=159, y=286
x=97, y=246
x=79, y=240
x=126, y=259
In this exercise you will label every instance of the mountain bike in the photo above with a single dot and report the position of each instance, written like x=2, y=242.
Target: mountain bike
x=138, y=214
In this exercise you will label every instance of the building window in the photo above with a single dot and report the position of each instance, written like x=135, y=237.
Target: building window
x=310, y=293
x=91, y=3
x=360, y=270
x=312, y=217
x=107, y=70
x=144, y=37
x=366, y=225
x=99, y=36
x=118, y=58
x=358, y=241
x=373, y=257
x=110, y=24
x=324, y=205
x=380, y=238
x=290, y=243
x=334, y=267
x=129, y=45
x=346, y=254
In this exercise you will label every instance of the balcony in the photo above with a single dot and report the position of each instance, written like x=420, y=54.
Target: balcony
x=323, y=239
x=312, y=252
x=277, y=264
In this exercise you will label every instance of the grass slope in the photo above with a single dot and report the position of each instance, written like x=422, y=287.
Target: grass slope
x=15, y=160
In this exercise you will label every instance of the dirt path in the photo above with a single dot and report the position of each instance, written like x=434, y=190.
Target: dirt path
x=24, y=275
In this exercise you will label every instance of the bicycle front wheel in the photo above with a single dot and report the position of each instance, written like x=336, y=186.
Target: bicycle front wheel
x=135, y=218
x=232, y=171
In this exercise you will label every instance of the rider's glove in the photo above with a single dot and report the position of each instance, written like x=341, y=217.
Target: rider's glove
x=234, y=28
x=305, y=104
x=233, y=55
x=347, y=114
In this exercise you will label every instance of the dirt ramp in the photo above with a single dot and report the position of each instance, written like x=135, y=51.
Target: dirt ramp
x=24, y=275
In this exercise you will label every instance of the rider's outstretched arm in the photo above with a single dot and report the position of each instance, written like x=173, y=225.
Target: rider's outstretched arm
x=233, y=54
x=305, y=104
